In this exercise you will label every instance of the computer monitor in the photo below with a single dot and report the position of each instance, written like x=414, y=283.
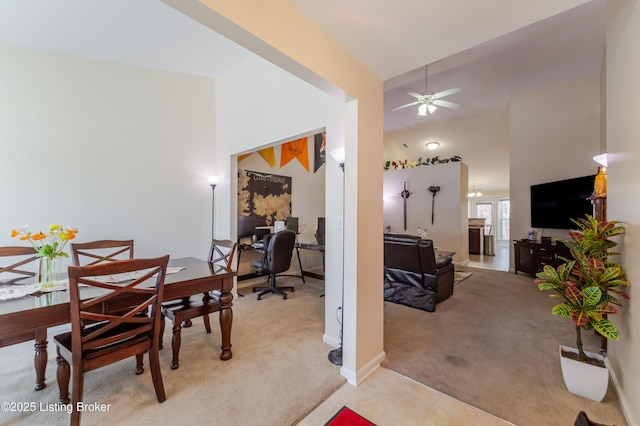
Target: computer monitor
x=246, y=226
x=320, y=231
x=292, y=224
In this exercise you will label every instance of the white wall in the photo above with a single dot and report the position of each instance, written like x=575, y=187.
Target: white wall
x=449, y=228
x=554, y=134
x=485, y=136
x=117, y=151
x=285, y=107
x=623, y=146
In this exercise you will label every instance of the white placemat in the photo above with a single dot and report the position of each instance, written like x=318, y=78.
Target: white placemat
x=17, y=291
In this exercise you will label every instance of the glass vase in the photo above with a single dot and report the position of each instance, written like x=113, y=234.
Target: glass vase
x=47, y=271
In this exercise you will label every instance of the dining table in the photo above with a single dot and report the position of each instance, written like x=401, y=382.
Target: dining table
x=32, y=315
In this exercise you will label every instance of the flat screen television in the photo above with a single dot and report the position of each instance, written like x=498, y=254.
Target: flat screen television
x=554, y=204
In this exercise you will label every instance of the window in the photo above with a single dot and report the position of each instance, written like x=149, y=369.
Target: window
x=496, y=219
x=504, y=212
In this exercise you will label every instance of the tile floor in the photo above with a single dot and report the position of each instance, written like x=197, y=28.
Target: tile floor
x=499, y=262
x=388, y=398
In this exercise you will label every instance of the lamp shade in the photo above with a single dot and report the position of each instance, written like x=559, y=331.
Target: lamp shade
x=601, y=159
x=422, y=110
x=338, y=154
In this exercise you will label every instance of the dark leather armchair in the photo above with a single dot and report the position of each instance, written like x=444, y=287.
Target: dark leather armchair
x=413, y=274
x=277, y=259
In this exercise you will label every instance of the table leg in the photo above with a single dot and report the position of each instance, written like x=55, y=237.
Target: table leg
x=226, y=318
x=40, y=358
x=300, y=264
x=175, y=343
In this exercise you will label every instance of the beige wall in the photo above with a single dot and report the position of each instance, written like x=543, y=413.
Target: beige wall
x=623, y=146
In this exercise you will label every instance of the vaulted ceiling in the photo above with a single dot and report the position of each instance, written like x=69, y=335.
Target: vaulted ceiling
x=491, y=50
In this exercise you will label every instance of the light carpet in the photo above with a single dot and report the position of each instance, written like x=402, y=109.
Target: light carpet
x=279, y=372
x=494, y=344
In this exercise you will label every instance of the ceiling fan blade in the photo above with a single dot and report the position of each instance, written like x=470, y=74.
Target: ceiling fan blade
x=446, y=104
x=417, y=95
x=447, y=92
x=407, y=105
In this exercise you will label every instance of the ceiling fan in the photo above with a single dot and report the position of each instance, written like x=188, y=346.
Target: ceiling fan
x=429, y=102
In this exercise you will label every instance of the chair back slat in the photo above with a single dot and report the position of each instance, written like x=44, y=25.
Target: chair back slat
x=101, y=251
x=21, y=256
x=109, y=328
x=222, y=252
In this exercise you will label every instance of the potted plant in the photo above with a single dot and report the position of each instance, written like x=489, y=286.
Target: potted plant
x=588, y=286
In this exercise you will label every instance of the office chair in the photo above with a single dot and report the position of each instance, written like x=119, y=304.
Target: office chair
x=276, y=259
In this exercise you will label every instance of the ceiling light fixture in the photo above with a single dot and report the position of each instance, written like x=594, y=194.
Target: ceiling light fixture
x=432, y=108
x=474, y=192
x=432, y=145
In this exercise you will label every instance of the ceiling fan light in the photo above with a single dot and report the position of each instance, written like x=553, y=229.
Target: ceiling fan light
x=422, y=110
x=432, y=108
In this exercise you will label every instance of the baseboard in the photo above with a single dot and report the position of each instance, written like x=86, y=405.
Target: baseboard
x=330, y=340
x=355, y=378
x=624, y=405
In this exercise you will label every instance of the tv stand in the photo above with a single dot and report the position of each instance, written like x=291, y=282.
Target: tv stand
x=532, y=256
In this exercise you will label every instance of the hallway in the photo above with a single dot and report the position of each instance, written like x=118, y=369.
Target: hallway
x=499, y=262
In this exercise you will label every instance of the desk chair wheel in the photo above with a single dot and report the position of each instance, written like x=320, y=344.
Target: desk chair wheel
x=274, y=290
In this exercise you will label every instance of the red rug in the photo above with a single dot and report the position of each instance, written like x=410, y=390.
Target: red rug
x=347, y=417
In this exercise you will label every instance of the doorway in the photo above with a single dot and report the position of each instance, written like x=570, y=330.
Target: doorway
x=496, y=212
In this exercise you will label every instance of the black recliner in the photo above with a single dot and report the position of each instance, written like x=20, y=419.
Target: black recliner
x=277, y=259
x=413, y=274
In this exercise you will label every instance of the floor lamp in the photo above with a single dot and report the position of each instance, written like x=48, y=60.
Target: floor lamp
x=335, y=356
x=213, y=181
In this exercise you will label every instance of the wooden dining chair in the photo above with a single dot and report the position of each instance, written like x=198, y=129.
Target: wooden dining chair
x=97, y=338
x=182, y=311
x=95, y=252
x=19, y=256
x=18, y=272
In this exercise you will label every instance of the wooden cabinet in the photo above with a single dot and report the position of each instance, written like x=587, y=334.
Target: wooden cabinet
x=476, y=240
x=531, y=256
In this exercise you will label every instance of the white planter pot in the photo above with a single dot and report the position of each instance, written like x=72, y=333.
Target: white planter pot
x=584, y=379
